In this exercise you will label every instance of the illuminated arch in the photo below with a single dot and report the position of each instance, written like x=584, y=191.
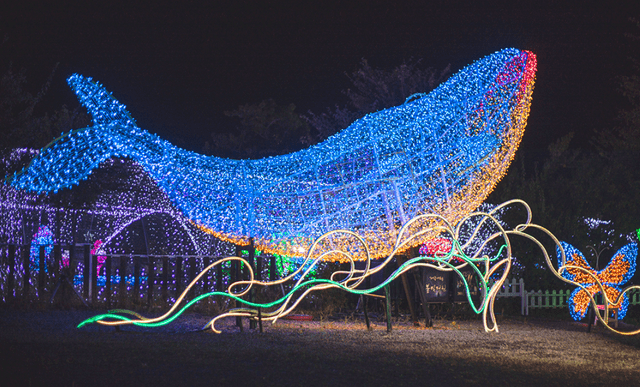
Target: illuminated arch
x=139, y=216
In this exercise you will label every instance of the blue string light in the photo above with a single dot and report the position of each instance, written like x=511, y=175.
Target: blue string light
x=441, y=152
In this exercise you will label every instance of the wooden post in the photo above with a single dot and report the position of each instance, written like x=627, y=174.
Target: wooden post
x=396, y=293
x=363, y=298
x=86, y=273
x=94, y=278
x=422, y=292
x=165, y=279
x=272, y=268
x=405, y=284
x=258, y=266
x=365, y=302
x=41, y=270
x=136, y=280
x=12, y=270
x=192, y=273
x=220, y=278
x=178, y=276
x=387, y=299
x=27, y=272
x=123, y=281
x=107, y=274
x=206, y=284
x=57, y=259
x=151, y=279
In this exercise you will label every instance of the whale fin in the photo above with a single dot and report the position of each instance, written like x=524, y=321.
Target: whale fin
x=103, y=107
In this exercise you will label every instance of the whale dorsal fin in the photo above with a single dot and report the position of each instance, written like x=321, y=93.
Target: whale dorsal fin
x=102, y=106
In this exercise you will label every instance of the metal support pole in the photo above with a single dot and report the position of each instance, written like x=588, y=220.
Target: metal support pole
x=236, y=277
x=364, y=309
x=387, y=301
x=252, y=293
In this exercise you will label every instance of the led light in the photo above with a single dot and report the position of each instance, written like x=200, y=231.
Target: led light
x=620, y=270
x=467, y=250
x=44, y=237
x=438, y=153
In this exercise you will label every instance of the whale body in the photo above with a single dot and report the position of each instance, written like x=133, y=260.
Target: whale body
x=440, y=153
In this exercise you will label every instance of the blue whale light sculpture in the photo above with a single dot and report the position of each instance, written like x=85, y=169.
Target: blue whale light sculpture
x=441, y=153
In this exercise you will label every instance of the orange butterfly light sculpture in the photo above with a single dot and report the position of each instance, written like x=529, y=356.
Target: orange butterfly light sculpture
x=576, y=269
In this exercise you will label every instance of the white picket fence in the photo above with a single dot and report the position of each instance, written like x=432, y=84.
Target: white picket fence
x=545, y=299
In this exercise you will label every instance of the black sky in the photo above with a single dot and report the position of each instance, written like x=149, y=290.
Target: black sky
x=178, y=66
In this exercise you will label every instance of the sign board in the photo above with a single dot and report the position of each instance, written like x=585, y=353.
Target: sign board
x=437, y=284
x=447, y=286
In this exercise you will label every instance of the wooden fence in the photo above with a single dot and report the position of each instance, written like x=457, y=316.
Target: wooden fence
x=538, y=299
x=147, y=279
x=144, y=279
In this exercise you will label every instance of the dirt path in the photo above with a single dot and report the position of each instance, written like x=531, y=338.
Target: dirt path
x=45, y=349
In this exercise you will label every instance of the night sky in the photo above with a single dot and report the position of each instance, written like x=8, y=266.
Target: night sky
x=178, y=67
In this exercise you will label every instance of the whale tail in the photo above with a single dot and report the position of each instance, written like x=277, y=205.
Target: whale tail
x=105, y=110
x=72, y=156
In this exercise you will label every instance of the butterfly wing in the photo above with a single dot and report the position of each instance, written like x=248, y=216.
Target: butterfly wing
x=573, y=257
x=622, y=266
x=619, y=271
x=579, y=301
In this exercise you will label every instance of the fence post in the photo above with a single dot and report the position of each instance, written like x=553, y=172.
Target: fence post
x=27, y=271
x=94, y=278
x=10, y=278
x=107, y=274
x=123, y=280
x=178, y=276
x=165, y=279
x=192, y=273
x=206, y=284
x=41, y=270
x=220, y=277
x=57, y=261
x=523, y=298
x=151, y=278
x=86, y=272
x=136, y=280
x=259, y=267
x=272, y=268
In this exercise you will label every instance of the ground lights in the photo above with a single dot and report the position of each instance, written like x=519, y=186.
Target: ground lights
x=440, y=153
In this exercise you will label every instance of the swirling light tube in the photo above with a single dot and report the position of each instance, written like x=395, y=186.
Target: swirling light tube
x=464, y=252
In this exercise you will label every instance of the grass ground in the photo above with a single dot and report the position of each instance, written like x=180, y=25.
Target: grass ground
x=43, y=348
